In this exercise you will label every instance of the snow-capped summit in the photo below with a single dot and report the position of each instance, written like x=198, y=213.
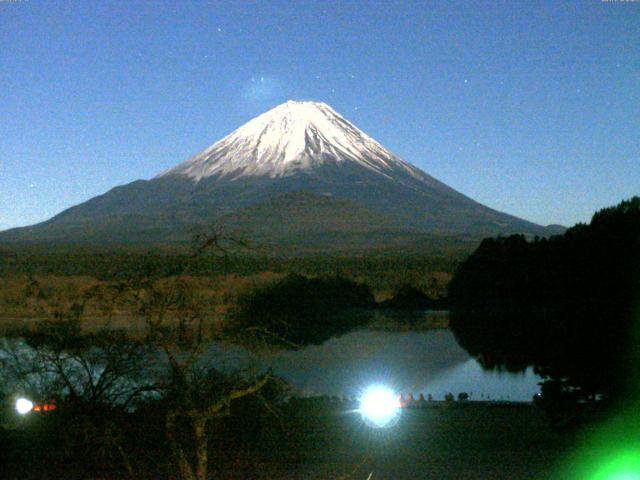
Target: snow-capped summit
x=292, y=137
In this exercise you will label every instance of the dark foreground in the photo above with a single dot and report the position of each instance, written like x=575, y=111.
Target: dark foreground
x=468, y=441
x=329, y=440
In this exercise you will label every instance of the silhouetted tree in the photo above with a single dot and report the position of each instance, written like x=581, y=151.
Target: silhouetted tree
x=565, y=305
x=409, y=296
x=298, y=310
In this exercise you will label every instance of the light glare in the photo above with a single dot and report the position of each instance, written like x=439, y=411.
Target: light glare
x=24, y=406
x=379, y=406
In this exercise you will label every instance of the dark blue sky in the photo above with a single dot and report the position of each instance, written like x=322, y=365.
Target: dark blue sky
x=531, y=107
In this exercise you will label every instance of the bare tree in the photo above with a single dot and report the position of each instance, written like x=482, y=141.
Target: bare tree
x=197, y=393
x=170, y=362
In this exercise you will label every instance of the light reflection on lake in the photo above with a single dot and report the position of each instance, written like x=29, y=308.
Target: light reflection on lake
x=428, y=362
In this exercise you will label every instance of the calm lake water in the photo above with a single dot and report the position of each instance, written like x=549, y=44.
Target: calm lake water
x=427, y=361
x=409, y=362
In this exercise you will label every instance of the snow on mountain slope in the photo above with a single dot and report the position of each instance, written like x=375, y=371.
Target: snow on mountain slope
x=292, y=137
x=298, y=175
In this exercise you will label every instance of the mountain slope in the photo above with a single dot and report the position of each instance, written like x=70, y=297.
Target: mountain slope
x=299, y=174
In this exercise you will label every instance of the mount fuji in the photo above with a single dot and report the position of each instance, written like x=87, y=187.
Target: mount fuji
x=298, y=178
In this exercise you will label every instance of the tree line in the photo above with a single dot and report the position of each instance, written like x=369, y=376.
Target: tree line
x=567, y=305
x=117, y=265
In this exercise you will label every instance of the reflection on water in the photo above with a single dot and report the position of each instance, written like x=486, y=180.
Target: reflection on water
x=427, y=362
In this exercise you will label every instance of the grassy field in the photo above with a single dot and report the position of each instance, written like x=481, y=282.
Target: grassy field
x=324, y=441
x=471, y=441
x=28, y=298
x=24, y=299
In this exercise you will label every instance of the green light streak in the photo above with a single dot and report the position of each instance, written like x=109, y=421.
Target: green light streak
x=611, y=451
x=622, y=466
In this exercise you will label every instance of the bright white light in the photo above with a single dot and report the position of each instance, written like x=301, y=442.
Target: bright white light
x=24, y=406
x=379, y=406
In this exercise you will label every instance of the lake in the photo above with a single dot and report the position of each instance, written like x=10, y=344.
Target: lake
x=401, y=350
x=425, y=360
x=429, y=362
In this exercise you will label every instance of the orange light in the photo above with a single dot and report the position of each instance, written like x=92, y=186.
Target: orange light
x=45, y=407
